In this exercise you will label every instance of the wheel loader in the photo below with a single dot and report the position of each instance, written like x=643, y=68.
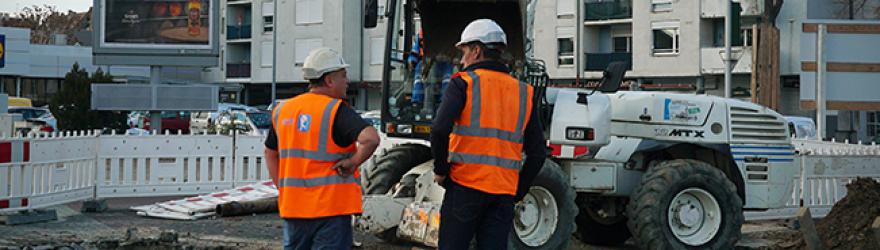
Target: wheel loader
x=670, y=171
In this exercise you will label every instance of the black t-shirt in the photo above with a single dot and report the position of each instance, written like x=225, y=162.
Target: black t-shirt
x=346, y=128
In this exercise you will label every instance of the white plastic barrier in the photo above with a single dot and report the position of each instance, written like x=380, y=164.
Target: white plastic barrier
x=158, y=165
x=46, y=171
x=826, y=168
x=249, y=164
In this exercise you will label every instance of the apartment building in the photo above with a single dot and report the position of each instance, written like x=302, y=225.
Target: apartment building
x=245, y=71
x=669, y=44
x=676, y=45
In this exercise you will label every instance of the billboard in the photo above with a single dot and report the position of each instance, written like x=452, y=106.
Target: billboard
x=159, y=32
x=2, y=51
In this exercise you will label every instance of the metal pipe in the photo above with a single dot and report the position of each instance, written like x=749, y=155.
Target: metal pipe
x=579, y=52
x=820, y=80
x=155, y=80
x=362, y=91
x=247, y=207
x=274, y=48
x=727, y=55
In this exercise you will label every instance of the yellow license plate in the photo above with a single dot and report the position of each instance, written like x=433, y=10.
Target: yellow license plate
x=423, y=129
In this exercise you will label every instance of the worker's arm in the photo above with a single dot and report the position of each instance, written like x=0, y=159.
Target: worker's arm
x=349, y=128
x=535, y=148
x=271, y=155
x=450, y=108
x=367, y=142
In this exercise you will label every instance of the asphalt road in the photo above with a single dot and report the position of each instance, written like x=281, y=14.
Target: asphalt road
x=262, y=231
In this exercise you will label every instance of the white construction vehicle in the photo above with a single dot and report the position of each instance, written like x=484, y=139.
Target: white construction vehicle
x=673, y=171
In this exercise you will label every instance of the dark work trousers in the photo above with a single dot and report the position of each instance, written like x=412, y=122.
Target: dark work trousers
x=329, y=233
x=466, y=212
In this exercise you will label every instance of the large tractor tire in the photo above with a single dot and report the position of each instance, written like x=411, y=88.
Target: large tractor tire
x=685, y=204
x=595, y=229
x=388, y=168
x=545, y=218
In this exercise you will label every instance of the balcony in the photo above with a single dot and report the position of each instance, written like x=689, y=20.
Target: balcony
x=608, y=10
x=235, y=32
x=238, y=70
x=600, y=61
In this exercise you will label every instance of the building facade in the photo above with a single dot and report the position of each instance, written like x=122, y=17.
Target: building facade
x=246, y=61
x=37, y=71
x=669, y=44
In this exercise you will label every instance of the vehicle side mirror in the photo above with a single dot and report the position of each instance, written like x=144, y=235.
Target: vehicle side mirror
x=371, y=13
x=612, y=77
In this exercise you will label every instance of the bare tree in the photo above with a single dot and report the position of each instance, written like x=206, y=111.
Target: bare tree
x=46, y=21
x=857, y=9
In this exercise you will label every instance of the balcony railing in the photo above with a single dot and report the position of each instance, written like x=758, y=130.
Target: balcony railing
x=600, y=61
x=608, y=9
x=238, y=32
x=238, y=70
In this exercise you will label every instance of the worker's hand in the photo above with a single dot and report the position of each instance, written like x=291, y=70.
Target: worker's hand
x=439, y=179
x=345, y=167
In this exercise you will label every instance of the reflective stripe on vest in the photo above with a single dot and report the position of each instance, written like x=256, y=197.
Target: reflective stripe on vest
x=486, y=160
x=312, y=155
x=317, y=181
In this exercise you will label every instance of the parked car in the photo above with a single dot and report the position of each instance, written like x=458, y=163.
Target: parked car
x=802, y=127
x=374, y=117
x=172, y=121
x=19, y=102
x=32, y=118
x=246, y=122
x=200, y=121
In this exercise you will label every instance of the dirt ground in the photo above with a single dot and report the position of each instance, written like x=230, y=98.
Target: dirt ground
x=120, y=228
x=848, y=225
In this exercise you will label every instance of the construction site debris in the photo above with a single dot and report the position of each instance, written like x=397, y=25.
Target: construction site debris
x=848, y=225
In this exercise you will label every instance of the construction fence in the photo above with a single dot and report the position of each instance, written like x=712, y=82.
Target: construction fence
x=51, y=169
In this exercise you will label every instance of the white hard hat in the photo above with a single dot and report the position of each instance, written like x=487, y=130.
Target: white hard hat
x=485, y=31
x=321, y=61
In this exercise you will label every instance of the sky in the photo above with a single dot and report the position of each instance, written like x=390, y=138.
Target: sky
x=15, y=6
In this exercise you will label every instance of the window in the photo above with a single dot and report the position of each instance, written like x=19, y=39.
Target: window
x=565, y=51
x=268, y=17
x=874, y=126
x=661, y=5
x=377, y=45
x=747, y=36
x=309, y=11
x=743, y=38
x=266, y=54
x=565, y=7
x=303, y=47
x=622, y=44
x=665, y=37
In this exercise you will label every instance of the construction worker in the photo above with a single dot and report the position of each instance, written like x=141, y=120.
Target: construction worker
x=484, y=123
x=312, y=157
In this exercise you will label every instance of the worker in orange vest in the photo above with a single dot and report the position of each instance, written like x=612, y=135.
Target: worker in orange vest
x=484, y=124
x=312, y=151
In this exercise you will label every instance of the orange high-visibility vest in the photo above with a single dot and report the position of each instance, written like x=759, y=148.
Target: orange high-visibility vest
x=308, y=186
x=485, y=148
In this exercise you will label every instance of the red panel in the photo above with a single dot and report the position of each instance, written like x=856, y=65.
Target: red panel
x=220, y=195
x=557, y=149
x=580, y=150
x=4, y=204
x=27, y=151
x=24, y=202
x=5, y=152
